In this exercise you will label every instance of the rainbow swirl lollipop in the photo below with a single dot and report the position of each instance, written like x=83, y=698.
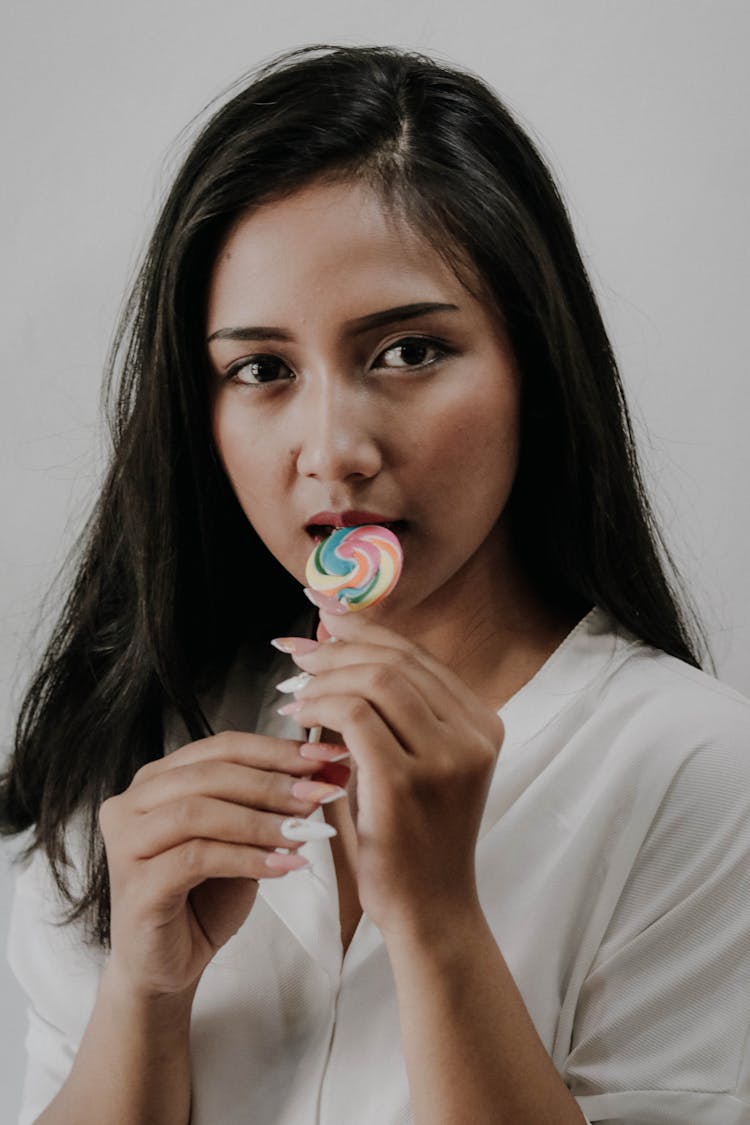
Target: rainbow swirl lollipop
x=355, y=566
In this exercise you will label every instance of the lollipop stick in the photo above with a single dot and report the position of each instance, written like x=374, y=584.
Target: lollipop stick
x=314, y=734
x=372, y=558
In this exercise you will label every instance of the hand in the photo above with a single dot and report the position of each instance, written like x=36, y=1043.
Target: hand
x=188, y=841
x=425, y=748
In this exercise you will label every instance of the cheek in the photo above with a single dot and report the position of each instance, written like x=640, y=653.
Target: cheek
x=247, y=462
x=479, y=440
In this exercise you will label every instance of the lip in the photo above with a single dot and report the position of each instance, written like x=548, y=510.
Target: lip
x=347, y=519
x=317, y=524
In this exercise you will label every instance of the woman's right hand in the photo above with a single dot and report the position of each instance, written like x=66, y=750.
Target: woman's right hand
x=186, y=844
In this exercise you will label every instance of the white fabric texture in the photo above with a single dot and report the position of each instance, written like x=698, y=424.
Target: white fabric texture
x=614, y=868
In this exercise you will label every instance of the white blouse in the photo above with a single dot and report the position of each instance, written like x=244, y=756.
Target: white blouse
x=613, y=865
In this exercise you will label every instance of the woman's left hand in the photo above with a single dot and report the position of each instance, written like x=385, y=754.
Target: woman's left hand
x=425, y=748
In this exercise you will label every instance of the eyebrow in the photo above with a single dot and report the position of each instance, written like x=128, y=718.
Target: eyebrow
x=353, y=327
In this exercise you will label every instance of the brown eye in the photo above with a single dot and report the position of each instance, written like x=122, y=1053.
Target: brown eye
x=258, y=369
x=411, y=352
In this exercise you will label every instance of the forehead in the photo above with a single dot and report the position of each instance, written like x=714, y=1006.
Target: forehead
x=327, y=247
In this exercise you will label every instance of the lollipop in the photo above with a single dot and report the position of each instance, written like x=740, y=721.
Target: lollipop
x=355, y=566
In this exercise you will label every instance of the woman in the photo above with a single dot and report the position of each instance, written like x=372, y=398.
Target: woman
x=526, y=898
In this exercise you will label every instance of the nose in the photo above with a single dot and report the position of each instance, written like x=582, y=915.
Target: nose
x=338, y=433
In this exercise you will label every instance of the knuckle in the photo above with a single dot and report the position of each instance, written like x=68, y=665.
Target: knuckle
x=108, y=813
x=483, y=757
x=212, y=747
x=186, y=813
x=271, y=784
x=202, y=774
x=446, y=768
x=192, y=857
x=228, y=741
x=143, y=773
x=492, y=747
x=251, y=828
x=358, y=710
x=384, y=678
x=406, y=661
x=267, y=789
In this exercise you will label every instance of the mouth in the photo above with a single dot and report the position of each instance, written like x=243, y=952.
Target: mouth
x=323, y=523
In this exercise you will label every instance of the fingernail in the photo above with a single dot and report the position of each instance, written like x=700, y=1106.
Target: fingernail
x=278, y=861
x=322, y=752
x=294, y=683
x=327, y=603
x=291, y=708
x=294, y=828
x=298, y=645
x=318, y=791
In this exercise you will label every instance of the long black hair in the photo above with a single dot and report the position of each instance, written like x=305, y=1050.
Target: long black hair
x=156, y=610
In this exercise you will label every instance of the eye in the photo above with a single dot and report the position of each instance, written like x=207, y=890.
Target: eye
x=255, y=370
x=411, y=352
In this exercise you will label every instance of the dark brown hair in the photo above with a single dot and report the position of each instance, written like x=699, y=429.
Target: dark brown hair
x=155, y=610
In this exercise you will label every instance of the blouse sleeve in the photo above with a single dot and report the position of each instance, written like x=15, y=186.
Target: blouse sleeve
x=662, y=1029
x=59, y=974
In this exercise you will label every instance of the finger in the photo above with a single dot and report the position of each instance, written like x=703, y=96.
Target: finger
x=207, y=819
x=449, y=698
x=394, y=665
x=368, y=738
x=256, y=750
x=175, y=873
x=409, y=715
x=238, y=785
x=226, y=781
x=356, y=627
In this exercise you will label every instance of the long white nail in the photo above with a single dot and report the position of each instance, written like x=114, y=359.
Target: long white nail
x=294, y=683
x=294, y=828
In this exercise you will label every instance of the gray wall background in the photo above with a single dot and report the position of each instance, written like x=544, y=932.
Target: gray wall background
x=641, y=107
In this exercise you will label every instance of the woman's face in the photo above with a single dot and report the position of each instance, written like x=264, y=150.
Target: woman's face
x=356, y=380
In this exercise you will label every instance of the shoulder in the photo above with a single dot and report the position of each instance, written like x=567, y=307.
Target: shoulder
x=606, y=686
x=653, y=675
x=663, y=702
x=678, y=735
x=624, y=725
